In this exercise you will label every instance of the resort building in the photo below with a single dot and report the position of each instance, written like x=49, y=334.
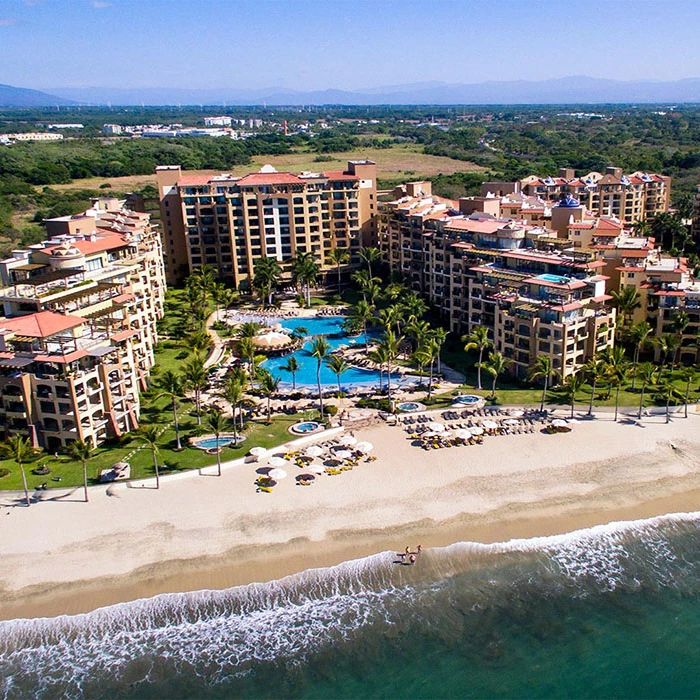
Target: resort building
x=77, y=341
x=229, y=222
x=629, y=198
x=511, y=277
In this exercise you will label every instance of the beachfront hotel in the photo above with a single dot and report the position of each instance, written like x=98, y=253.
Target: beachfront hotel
x=229, y=222
x=77, y=341
x=629, y=198
x=511, y=277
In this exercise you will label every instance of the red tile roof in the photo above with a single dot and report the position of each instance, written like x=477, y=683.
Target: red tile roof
x=102, y=243
x=41, y=325
x=339, y=175
x=191, y=180
x=269, y=179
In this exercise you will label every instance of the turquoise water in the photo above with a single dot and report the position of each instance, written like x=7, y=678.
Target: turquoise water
x=331, y=327
x=210, y=443
x=307, y=427
x=557, y=279
x=611, y=612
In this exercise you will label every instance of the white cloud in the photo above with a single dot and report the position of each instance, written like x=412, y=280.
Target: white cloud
x=7, y=21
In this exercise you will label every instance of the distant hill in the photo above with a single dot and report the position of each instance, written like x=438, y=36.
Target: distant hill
x=570, y=90
x=23, y=97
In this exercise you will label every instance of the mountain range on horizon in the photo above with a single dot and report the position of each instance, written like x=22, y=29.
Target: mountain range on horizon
x=568, y=90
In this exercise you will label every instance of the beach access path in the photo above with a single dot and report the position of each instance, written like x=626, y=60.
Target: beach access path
x=199, y=531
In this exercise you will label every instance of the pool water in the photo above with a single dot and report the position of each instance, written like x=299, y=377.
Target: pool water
x=468, y=399
x=210, y=443
x=331, y=327
x=556, y=279
x=307, y=427
x=410, y=406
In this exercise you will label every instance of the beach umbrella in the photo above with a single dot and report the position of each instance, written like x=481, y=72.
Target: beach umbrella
x=314, y=450
x=348, y=440
x=436, y=427
x=364, y=447
x=343, y=454
x=476, y=431
x=573, y=421
x=518, y=413
x=257, y=451
x=489, y=424
x=463, y=433
x=306, y=477
x=278, y=474
x=511, y=421
x=316, y=468
x=559, y=423
x=277, y=462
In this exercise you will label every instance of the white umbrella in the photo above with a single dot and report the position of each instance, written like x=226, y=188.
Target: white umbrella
x=343, y=454
x=436, y=427
x=476, y=431
x=364, y=447
x=489, y=424
x=277, y=462
x=257, y=451
x=315, y=468
x=463, y=433
x=348, y=440
x=277, y=474
x=559, y=423
x=518, y=414
x=573, y=420
x=430, y=434
x=511, y=421
x=314, y=451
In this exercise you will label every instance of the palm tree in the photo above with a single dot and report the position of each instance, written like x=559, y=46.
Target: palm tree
x=172, y=385
x=414, y=307
x=246, y=349
x=81, y=451
x=148, y=434
x=378, y=355
x=20, y=449
x=361, y=279
x=421, y=359
x=233, y=391
x=269, y=386
x=361, y=314
x=626, y=300
x=292, y=366
x=370, y=256
x=639, y=334
x=680, y=323
x=418, y=331
x=319, y=350
x=217, y=424
x=200, y=341
x=430, y=351
x=495, y=366
x=647, y=375
x=393, y=291
x=686, y=375
x=667, y=344
x=392, y=315
x=337, y=365
x=571, y=386
x=196, y=379
x=478, y=339
x=339, y=256
x=391, y=344
x=617, y=369
x=305, y=273
x=439, y=335
x=266, y=274
x=542, y=369
x=594, y=370
x=669, y=393
x=249, y=329
x=373, y=290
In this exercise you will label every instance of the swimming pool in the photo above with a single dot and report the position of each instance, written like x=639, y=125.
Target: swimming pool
x=332, y=328
x=209, y=443
x=555, y=279
x=410, y=406
x=468, y=399
x=309, y=426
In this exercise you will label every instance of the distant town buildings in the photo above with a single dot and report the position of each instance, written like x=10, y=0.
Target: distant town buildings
x=77, y=341
x=230, y=222
x=217, y=121
x=65, y=126
x=30, y=136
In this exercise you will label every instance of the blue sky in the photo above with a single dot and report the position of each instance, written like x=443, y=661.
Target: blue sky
x=346, y=44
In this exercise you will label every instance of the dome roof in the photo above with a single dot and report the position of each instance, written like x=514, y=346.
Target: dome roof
x=65, y=250
x=569, y=202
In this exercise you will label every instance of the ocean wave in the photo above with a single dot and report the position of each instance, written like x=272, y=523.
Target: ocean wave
x=217, y=636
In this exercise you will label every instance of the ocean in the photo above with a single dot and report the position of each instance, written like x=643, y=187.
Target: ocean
x=609, y=612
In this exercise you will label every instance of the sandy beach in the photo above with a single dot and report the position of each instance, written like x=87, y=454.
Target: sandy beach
x=202, y=531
